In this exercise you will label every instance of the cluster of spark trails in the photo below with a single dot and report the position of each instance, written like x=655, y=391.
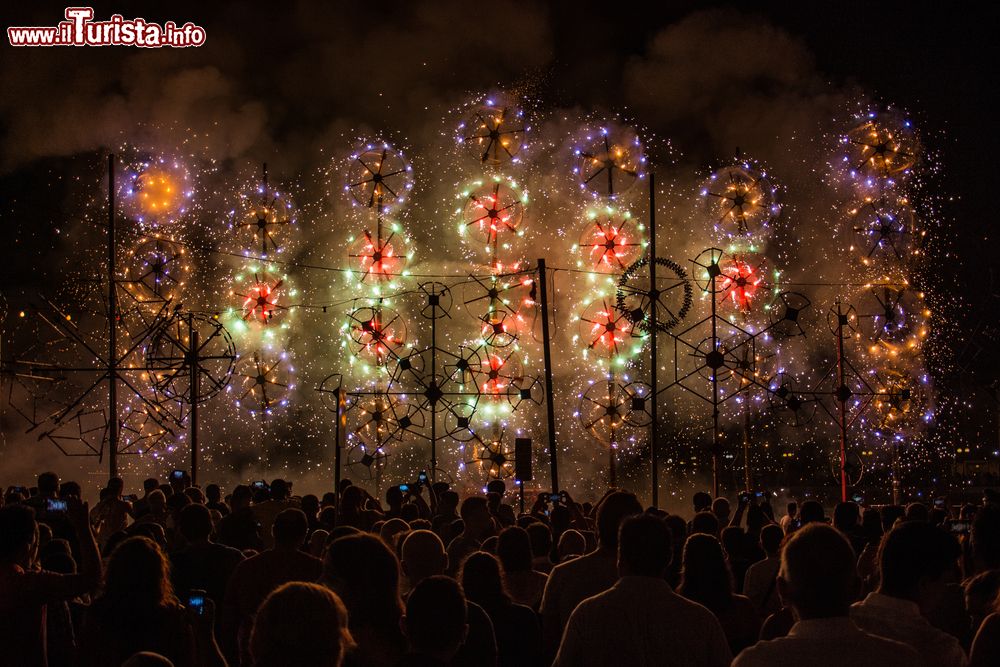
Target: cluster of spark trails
x=502, y=184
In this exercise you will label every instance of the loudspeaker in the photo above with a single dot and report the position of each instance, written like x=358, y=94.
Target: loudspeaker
x=522, y=459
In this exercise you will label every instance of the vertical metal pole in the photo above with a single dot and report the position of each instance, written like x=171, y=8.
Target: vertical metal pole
x=842, y=399
x=746, y=444
x=550, y=413
x=341, y=433
x=112, y=329
x=716, y=445
x=434, y=402
x=654, y=385
x=897, y=485
x=195, y=394
x=612, y=471
x=263, y=235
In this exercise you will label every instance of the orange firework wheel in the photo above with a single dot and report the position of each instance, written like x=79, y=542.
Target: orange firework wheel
x=740, y=201
x=882, y=146
x=492, y=132
x=609, y=161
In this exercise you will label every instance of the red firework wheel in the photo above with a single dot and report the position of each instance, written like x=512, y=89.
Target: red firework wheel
x=499, y=373
x=259, y=301
x=499, y=328
x=611, y=241
x=742, y=282
x=605, y=329
x=377, y=332
x=493, y=210
x=378, y=257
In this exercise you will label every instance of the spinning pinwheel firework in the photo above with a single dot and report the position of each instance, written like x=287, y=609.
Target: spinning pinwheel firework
x=378, y=177
x=494, y=134
x=609, y=162
x=260, y=301
x=882, y=146
x=611, y=241
x=739, y=201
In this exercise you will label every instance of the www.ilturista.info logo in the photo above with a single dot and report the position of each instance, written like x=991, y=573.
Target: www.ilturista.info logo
x=79, y=29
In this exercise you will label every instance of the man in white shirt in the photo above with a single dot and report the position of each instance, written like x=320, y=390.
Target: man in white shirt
x=789, y=521
x=640, y=620
x=818, y=580
x=761, y=581
x=576, y=580
x=917, y=562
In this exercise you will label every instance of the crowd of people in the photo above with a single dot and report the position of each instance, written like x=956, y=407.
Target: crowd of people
x=184, y=576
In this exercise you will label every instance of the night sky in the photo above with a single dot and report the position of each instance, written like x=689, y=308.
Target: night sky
x=274, y=82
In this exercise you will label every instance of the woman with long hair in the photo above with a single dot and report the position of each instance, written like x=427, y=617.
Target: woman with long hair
x=516, y=627
x=524, y=584
x=354, y=509
x=137, y=610
x=707, y=579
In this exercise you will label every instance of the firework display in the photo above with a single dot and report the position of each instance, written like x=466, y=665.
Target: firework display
x=888, y=320
x=609, y=161
x=156, y=191
x=740, y=201
x=264, y=218
x=409, y=309
x=493, y=132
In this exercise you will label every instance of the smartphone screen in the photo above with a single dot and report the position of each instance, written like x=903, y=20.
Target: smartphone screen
x=56, y=505
x=196, y=602
x=404, y=487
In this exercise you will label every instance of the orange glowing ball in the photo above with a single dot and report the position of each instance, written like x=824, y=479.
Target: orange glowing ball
x=159, y=193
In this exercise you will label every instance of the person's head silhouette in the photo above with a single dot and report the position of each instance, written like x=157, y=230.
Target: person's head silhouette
x=300, y=624
x=917, y=561
x=424, y=556
x=645, y=547
x=290, y=529
x=615, y=508
x=436, y=620
x=482, y=581
x=818, y=576
x=18, y=535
